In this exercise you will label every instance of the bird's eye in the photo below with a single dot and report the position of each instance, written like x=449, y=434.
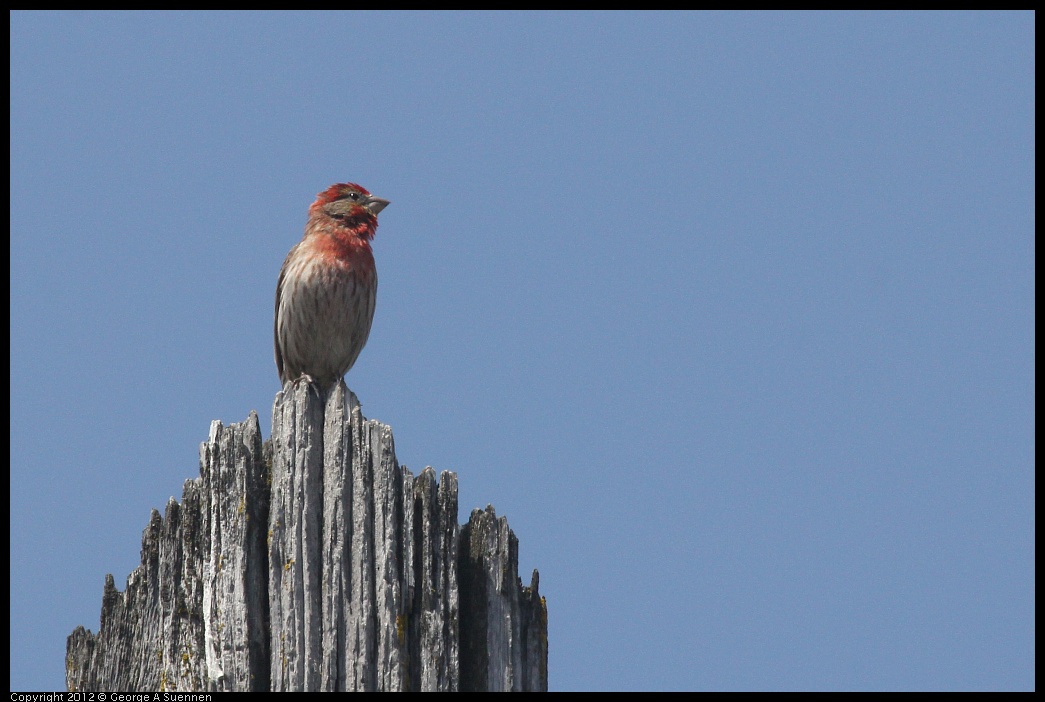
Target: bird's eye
x=353, y=196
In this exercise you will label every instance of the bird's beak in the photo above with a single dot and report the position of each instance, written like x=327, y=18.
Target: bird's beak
x=376, y=204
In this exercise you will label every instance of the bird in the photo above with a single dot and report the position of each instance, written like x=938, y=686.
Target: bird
x=327, y=288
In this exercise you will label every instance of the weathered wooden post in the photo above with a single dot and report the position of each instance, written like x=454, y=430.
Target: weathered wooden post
x=316, y=562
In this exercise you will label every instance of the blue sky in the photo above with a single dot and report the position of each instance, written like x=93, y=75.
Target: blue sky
x=731, y=315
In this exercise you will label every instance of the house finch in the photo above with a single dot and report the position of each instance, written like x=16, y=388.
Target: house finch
x=327, y=287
